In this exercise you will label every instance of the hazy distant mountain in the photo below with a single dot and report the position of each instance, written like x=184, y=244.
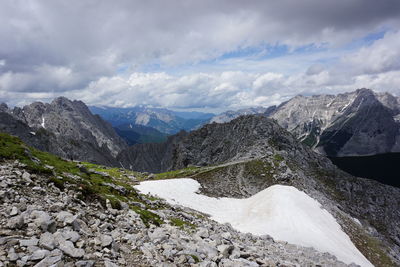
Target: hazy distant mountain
x=138, y=134
x=164, y=120
x=233, y=114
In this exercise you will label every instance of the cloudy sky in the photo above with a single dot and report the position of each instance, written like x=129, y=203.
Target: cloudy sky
x=209, y=55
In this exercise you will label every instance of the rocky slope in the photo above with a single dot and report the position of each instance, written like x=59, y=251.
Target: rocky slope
x=64, y=127
x=357, y=123
x=61, y=213
x=251, y=153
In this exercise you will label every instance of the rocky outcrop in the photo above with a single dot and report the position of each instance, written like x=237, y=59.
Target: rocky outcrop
x=65, y=128
x=243, y=138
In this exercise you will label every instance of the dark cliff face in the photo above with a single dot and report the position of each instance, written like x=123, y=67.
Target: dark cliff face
x=65, y=128
x=367, y=127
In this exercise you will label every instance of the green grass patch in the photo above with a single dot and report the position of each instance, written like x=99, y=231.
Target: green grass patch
x=181, y=223
x=369, y=246
x=195, y=258
x=187, y=172
x=148, y=216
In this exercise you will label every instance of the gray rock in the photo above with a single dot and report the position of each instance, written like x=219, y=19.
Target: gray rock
x=27, y=177
x=68, y=248
x=16, y=222
x=39, y=254
x=106, y=240
x=49, y=261
x=202, y=232
x=29, y=242
x=84, y=263
x=65, y=217
x=43, y=220
x=225, y=250
x=47, y=241
x=71, y=235
x=14, y=211
x=110, y=264
x=12, y=255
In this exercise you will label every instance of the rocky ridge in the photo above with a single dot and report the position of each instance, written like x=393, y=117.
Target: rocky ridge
x=74, y=214
x=356, y=123
x=65, y=128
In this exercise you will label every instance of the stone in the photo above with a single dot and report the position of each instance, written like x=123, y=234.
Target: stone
x=27, y=177
x=44, y=221
x=81, y=227
x=39, y=254
x=28, y=242
x=65, y=217
x=68, y=248
x=16, y=222
x=12, y=255
x=47, y=241
x=109, y=264
x=84, y=263
x=14, y=211
x=158, y=235
x=225, y=250
x=71, y=235
x=203, y=232
x=106, y=240
x=49, y=261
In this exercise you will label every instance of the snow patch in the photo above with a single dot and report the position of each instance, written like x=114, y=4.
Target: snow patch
x=283, y=212
x=43, y=124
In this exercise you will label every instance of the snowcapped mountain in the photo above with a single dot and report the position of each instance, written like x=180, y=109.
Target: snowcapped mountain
x=164, y=120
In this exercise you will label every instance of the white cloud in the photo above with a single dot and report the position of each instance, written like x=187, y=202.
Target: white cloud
x=53, y=47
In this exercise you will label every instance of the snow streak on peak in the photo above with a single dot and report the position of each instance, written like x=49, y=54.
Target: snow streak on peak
x=283, y=212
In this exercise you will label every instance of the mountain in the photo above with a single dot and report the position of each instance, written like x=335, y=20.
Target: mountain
x=164, y=120
x=357, y=123
x=137, y=134
x=56, y=212
x=193, y=115
x=247, y=155
x=230, y=115
x=65, y=128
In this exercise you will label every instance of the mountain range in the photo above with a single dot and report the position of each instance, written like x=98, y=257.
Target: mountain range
x=163, y=120
x=358, y=123
x=237, y=159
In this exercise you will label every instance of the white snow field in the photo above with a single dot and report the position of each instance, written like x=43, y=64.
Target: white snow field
x=283, y=212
